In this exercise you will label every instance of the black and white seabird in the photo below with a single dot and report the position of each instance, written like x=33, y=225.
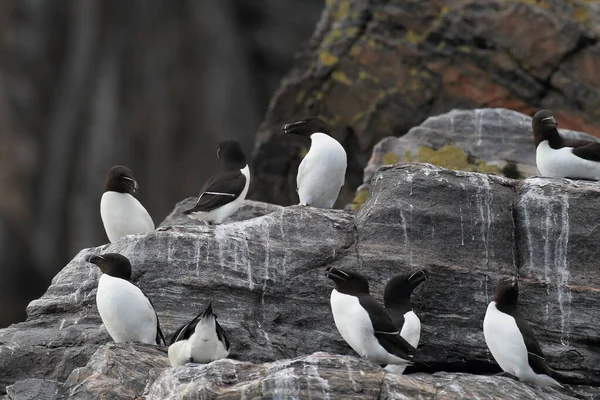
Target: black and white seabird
x=560, y=157
x=322, y=171
x=122, y=214
x=396, y=300
x=224, y=192
x=363, y=323
x=127, y=313
x=202, y=340
x=512, y=341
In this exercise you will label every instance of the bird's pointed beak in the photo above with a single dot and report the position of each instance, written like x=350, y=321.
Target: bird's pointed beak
x=418, y=277
x=131, y=183
x=209, y=311
x=550, y=121
x=94, y=259
x=290, y=128
x=336, y=274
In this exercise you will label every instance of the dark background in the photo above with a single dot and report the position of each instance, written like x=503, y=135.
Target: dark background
x=151, y=84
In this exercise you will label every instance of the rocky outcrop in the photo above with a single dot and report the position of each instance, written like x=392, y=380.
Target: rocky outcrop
x=265, y=278
x=377, y=68
x=493, y=140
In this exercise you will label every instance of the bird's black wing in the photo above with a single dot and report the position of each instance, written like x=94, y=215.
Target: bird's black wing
x=220, y=189
x=186, y=330
x=387, y=334
x=534, y=350
x=221, y=335
x=589, y=151
x=397, y=316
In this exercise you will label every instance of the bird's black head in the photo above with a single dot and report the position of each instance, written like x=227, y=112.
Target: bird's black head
x=113, y=264
x=544, y=125
x=507, y=294
x=399, y=288
x=120, y=179
x=231, y=154
x=307, y=127
x=348, y=282
x=208, y=312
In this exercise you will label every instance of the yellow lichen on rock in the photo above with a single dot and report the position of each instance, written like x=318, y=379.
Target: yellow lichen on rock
x=390, y=158
x=359, y=199
x=455, y=158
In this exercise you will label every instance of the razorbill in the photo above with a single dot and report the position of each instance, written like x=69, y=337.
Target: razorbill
x=512, y=341
x=560, y=157
x=396, y=300
x=127, y=313
x=363, y=323
x=224, y=192
x=122, y=214
x=202, y=340
x=322, y=171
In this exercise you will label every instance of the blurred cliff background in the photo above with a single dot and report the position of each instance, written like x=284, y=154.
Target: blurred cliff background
x=151, y=84
x=155, y=84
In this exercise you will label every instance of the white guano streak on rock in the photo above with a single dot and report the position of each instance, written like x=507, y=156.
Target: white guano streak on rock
x=407, y=244
x=315, y=383
x=555, y=258
x=484, y=199
x=478, y=129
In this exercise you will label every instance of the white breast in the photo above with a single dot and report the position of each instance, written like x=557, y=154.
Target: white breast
x=354, y=324
x=125, y=311
x=205, y=345
x=562, y=163
x=411, y=331
x=179, y=353
x=218, y=215
x=122, y=214
x=322, y=172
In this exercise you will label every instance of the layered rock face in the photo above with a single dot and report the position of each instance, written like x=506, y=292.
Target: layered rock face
x=376, y=68
x=265, y=278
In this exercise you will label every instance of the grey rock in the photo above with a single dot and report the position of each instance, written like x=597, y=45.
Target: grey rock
x=249, y=209
x=496, y=136
x=329, y=376
x=117, y=371
x=34, y=389
x=265, y=279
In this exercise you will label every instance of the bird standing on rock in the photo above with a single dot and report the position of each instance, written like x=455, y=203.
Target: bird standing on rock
x=126, y=311
x=122, y=214
x=560, y=157
x=322, y=172
x=396, y=299
x=202, y=340
x=512, y=341
x=224, y=192
x=363, y=323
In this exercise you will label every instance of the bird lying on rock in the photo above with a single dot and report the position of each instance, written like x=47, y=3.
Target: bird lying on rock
x=122, y=214
x=363, y=323
x=126, y=311
x=396, y=300
x=512, y=341
x=202, y=340
x=322, y=172
x=224, y=192
x=560, y=157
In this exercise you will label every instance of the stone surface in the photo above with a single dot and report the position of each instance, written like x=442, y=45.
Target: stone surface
x=376, y=68
x=249, y=209
x=328, y=376
x=265, y=278
x=34, y=389
x=116, y=371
